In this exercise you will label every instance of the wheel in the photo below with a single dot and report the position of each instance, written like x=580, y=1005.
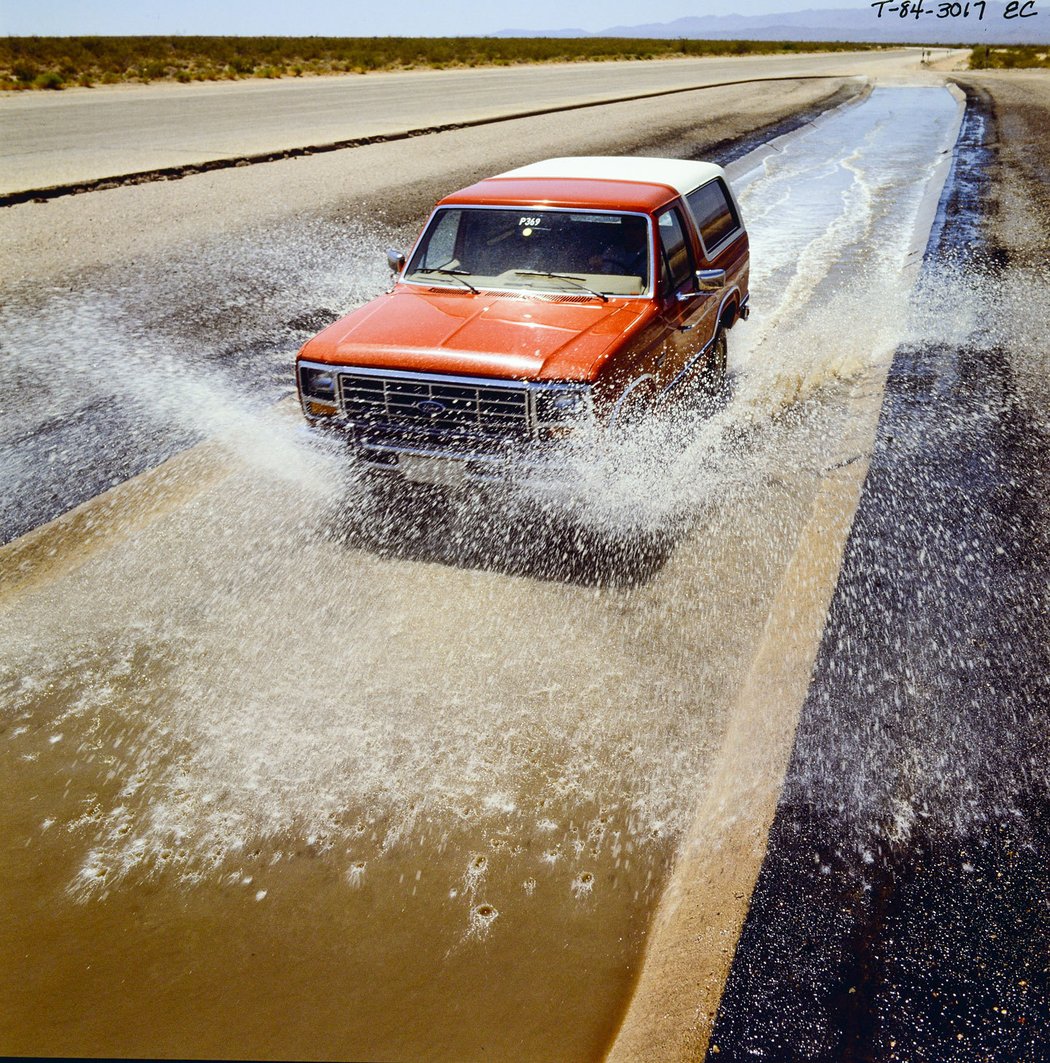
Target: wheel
x=713, y=375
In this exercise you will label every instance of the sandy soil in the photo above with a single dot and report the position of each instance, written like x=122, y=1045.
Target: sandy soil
x=1020, y=222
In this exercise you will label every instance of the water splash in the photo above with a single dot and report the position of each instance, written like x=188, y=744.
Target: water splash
x=251, y=677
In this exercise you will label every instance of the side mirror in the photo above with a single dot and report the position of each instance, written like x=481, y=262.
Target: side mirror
x=710, y=280
x=396, y=260
x=707, y=282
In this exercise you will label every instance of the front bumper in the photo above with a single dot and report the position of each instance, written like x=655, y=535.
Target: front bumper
x=451, y=466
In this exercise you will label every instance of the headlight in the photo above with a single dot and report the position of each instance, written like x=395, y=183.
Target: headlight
x=558, y=405
x=317, y=383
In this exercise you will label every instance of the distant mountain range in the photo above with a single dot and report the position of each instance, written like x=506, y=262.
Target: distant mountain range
x=861, y=24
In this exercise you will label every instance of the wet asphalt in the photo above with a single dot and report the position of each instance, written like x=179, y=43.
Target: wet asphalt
x=901, y=912
x=902, y=909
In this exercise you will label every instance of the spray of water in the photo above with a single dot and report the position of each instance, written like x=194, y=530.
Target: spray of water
x=268, y=670
x=104, y=379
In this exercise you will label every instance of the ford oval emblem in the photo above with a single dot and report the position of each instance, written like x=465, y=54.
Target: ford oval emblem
x=431, y=407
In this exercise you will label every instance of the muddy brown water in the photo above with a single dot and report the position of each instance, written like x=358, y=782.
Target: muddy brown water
x=189, y=861
x=316, y=968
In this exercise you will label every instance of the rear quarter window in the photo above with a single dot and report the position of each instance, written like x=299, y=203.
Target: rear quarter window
x=714, y=212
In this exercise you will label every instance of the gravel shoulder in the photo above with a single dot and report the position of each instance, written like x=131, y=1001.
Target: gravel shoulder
x=1017, y=227
x=1016, y=231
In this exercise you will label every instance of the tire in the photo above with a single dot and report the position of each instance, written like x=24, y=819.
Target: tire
x=713, y=376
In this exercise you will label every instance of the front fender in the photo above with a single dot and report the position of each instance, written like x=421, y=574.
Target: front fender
x=635, y=390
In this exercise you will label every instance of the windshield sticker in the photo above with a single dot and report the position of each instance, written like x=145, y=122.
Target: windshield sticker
x=528, y=224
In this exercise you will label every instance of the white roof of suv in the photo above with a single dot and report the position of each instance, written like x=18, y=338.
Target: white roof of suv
x=680, y=174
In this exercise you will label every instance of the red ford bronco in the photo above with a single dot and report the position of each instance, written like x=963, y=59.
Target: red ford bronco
x=568, y=290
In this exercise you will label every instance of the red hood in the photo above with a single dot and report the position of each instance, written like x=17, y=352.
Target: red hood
x=426, y=330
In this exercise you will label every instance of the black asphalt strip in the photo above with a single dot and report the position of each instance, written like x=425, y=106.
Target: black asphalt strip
x=901, y=912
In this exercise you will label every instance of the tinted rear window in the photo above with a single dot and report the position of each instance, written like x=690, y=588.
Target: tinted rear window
x=714, y=213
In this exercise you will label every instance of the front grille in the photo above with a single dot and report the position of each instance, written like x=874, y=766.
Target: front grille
x=447, y=409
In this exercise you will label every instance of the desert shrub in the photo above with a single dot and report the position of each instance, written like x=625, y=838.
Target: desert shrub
x=50, y=79
x=986, y=57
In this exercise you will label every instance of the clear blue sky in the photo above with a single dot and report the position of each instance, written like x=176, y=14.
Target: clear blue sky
x=353, y=18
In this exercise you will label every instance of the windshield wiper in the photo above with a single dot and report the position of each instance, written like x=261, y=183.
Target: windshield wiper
x=578, y=281
x=457, y=274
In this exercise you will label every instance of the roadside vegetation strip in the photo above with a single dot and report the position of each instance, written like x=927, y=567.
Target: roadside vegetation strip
x=58, y=62
x=174, y=173
x=987, y=57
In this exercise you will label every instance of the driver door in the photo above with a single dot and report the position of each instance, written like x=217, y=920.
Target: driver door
x=690, y=319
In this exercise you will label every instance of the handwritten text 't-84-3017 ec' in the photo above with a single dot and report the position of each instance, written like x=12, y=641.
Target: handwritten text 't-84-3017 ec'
x=955, y=9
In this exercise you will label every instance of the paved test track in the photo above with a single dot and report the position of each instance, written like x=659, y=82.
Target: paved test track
x=907, y=957
x=87, y=135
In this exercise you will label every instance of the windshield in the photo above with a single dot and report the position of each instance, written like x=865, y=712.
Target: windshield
x=578, y=252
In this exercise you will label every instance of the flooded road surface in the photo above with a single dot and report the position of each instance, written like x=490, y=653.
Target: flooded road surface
x=298, y=768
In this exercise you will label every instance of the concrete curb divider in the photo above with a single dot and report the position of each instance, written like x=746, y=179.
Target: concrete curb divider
x=65, y=543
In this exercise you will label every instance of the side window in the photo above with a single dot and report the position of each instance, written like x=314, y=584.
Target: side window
x=674, y=250
x=714, y=213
